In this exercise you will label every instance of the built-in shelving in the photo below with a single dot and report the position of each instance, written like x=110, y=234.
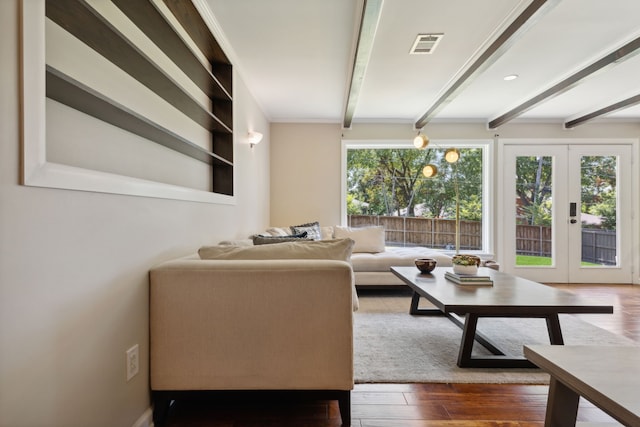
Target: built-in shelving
x=87, y=25
x=150, y=20
x=78, y=96
x=190, y=19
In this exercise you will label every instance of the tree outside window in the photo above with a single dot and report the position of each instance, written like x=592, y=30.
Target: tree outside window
x=388, y=182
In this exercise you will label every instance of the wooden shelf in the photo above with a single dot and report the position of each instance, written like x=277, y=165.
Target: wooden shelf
x=190, y=19
x=76, y=95
x=151, y=21
x=82, y=21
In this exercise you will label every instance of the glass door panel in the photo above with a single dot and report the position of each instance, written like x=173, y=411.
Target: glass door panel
x=534, y=180
x=598, y=208
x=601, y=185
x=568, y=213
x=534, y=210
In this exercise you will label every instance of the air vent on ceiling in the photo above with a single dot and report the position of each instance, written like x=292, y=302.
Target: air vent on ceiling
x=425, y=43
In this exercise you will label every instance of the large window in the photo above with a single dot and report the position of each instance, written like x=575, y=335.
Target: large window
x=385, y=185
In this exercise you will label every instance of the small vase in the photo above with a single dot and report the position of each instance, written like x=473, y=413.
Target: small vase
x=465, y=269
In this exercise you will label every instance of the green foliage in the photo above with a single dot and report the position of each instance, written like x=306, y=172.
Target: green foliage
x=471, y=208
x=605, y=208
x=598, y=188
x=391, y=182
x=533, y=189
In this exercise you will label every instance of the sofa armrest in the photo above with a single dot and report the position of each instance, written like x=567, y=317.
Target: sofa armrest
x=251, y=325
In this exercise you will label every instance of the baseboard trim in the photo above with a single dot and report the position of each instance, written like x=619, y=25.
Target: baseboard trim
x=145, y=420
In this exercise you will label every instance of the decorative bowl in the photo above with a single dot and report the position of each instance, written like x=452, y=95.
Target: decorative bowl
x=426, y=265
x=465, y=269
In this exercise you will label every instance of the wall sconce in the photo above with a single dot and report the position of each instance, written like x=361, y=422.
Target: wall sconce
x=254, y=138
x=421, y=141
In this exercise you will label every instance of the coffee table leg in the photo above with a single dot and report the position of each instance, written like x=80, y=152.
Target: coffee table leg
x=562, y=405
x=415, y=301
x=468, y=336
x=499, y=360
x=555, y=333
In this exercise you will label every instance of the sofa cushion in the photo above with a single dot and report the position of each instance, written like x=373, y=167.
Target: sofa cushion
x=368, y=239
x=337, y=249
x=394, y=256
x=312, y=229
x=266, y=240
x=237, y=242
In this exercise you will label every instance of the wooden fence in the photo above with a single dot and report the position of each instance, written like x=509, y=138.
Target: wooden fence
x=598, y=246
x=431, y=232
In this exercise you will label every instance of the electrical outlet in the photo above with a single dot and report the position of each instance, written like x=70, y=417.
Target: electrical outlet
x=133, y=362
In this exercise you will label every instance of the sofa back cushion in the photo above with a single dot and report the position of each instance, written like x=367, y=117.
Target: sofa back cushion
x=336, y=249
x=367, y=239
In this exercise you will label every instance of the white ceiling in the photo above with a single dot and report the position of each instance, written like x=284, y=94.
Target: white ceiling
x=296, y=57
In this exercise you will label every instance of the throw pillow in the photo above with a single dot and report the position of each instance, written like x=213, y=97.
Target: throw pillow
x=265, y=240
x=278, y=231
x=312, y=229
x=338, y=249
x=368, y=239
x=326, y=232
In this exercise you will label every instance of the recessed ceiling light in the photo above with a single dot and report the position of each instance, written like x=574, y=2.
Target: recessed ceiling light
x=511, y=77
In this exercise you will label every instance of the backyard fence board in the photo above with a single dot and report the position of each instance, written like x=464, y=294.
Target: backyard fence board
x=598, y=246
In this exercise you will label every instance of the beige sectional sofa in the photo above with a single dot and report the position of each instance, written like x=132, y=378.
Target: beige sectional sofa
x=249, y=319
x=371, y=259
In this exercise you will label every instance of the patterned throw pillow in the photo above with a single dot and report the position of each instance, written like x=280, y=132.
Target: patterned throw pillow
x=312, y=229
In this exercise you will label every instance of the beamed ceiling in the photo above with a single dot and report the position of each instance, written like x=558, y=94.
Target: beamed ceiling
x=348, y=61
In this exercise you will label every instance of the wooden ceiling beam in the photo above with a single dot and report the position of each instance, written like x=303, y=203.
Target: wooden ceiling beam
x=620, y=105
x=529, y=17
x=371, y=11
x=627, y=51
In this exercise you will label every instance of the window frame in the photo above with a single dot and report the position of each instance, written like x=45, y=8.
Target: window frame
x=488, y=179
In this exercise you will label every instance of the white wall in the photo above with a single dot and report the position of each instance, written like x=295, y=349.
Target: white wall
x=74, y=265
x=306, y=185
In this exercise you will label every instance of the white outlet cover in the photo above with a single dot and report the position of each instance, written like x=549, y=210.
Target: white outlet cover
x=133, y=362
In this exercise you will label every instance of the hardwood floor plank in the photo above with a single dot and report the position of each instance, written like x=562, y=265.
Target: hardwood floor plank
x=439, y=423
x=378, y=398
x=425, y=411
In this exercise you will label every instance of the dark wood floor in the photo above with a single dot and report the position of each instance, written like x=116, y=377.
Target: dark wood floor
x=422, y=405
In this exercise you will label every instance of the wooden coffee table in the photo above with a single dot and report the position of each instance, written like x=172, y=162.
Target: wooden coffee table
x=607, y=376
x=510, y=296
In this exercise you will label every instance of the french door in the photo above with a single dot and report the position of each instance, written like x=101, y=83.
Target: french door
x=568, y=213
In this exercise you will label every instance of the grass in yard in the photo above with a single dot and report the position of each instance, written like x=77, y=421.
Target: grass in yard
x=532, y=260
x=541, y=260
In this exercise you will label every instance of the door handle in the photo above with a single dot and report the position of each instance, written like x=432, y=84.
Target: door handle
x=573, y=221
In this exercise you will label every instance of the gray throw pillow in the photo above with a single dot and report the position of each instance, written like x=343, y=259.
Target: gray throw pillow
x=266, y=240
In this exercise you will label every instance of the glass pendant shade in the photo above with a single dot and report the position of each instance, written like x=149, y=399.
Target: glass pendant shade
x=421, y=141
x=430, y=171
x=452, y=155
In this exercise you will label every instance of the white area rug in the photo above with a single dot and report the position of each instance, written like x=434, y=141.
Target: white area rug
x=391, y=346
